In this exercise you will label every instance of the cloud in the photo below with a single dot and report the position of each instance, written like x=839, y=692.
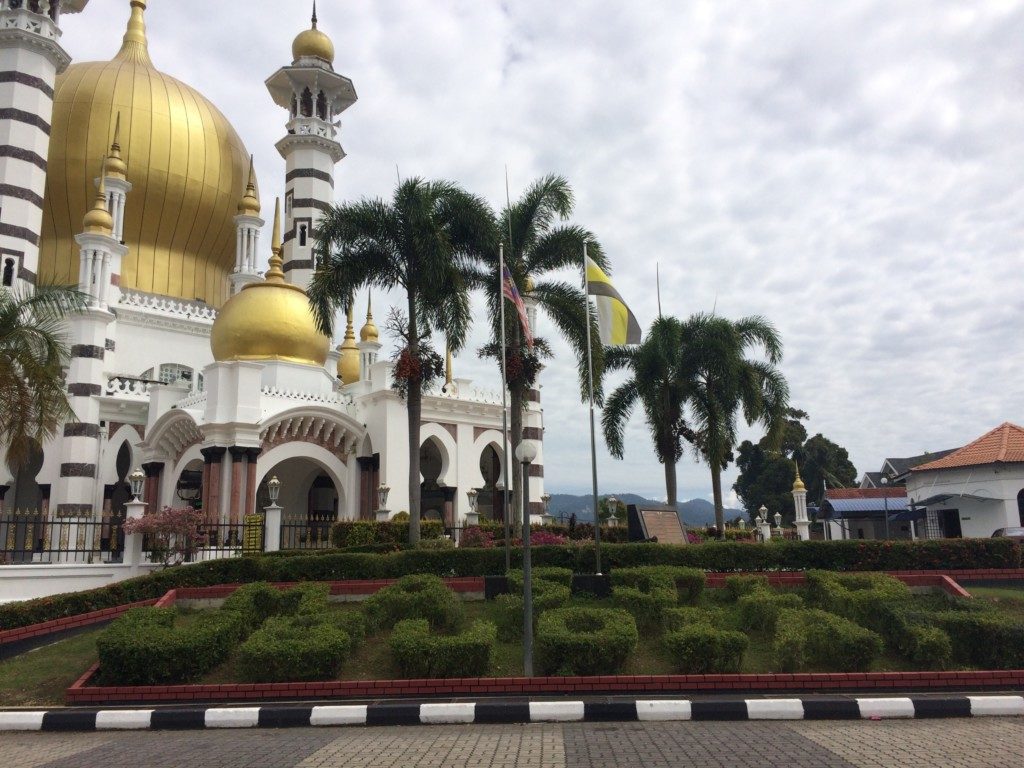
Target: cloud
x=850, y=170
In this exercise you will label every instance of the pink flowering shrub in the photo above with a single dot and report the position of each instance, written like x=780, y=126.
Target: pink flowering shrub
x=545, y=538
x=172, y=535
x=476, y=536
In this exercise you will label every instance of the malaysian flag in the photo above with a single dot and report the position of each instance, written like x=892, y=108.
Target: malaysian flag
x=510, y=292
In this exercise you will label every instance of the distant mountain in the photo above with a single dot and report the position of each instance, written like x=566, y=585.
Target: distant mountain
x=697, y=512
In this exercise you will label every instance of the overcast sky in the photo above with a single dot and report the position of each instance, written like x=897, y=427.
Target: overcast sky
x=850, y=169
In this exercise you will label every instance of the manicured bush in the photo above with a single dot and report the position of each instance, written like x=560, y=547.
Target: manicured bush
x=737, y=586
x=441, y=543
x=700, y=649
x=294, y=649
x=417, y=651
x=255, y=603
x=143, y=647
x=561, y=576
x=348, y=533
x=688, y=582
x=584, y=641
x=857, y=596
x=646, y=607
x=687, y=616
x=983, y=639
x=927, y=647
x=414, y=597
x=825, y=640
x=510, y=610
x=761, y=608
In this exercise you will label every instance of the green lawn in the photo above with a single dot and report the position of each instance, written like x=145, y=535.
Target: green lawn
x=39, y=677
x=1007, y=599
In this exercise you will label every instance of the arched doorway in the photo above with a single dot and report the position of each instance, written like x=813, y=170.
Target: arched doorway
x=436, y=500
x=491, y=495
x=310, y=499
x=25, y=509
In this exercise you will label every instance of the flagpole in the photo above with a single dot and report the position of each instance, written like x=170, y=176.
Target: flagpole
x=504, y=410
x=593, y=439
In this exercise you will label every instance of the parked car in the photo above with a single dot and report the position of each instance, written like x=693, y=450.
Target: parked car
x=1016, y=532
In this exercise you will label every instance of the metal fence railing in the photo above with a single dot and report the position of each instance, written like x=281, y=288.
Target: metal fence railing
x=33, y=537
x=308, y=532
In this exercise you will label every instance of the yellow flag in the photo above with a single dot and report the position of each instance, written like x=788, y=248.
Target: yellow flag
x=617, y=323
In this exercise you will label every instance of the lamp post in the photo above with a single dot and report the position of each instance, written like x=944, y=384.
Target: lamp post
x=134, y=510
x=383, y=513
x=778, y=523
x=526, y=452
x=473, y=517
x=885, y=503
x=613, y=510
x=272, y=517
x=546, y=501
x=762, y=523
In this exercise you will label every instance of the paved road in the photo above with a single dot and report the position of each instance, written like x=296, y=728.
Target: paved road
x=990, y=742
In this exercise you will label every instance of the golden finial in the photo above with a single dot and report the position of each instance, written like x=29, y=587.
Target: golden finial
x=313, y=43
x=348, y=360
x=249, y=205
x=314, y=14
x=448, y=367
x=135, y=47
x=115, y=167
x=798, y=484
x=369, y=330
x=274, y=274
x=98, y=220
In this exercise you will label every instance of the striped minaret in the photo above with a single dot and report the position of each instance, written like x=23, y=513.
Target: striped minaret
x=31, y=57
x=314, y=95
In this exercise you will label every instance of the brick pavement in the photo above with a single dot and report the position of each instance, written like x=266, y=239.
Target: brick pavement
x=989, y=743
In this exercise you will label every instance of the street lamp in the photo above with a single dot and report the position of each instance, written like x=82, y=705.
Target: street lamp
x=274, y=489
x=778, y=521
x=526, y=453
x=546, y=501
x=885, y=502
x=613, y=509
x=137, y=480
x=272, y=517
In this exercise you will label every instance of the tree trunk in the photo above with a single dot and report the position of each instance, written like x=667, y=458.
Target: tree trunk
x=414, y=409
x=670, y=483
x=716, y=489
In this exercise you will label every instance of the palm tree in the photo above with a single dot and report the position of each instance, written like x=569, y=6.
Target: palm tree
x=658, y=384
x=425, y=241
x=33, y=353
x=538, y=247
x=722, y=383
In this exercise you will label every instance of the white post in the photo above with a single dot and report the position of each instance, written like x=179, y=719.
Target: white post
x=803, y=525
x=135, y=509
x=272, y=528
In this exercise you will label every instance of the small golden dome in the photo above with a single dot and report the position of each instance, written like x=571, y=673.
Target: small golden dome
x=530, y=285
x=269, y=320
x=115, y=167
x=314, y=43
x=249, y=205
x=369, y=330
x=98, y=219
x=798, y=484
x=348, y=361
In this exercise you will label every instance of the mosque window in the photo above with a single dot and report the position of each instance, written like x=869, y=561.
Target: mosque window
x=295, y=105
x=8, y=280
x=321, y=106
x=302, y=235
x=174, y=373
x=307, y=102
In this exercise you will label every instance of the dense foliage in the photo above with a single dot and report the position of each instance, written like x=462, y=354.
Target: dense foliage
x=418, y=651
x=584, y=641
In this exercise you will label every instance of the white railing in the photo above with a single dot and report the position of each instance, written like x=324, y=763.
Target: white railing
x=128, y=387
x=196, y=398
x=311, y=126
x=470, y=395
x=164, y=305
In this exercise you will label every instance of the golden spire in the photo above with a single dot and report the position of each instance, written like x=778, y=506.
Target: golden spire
x=448, y=367
x=313, y=43
x=98, y=220
x=274, y=274
x=348, y=360
x=314, y=14
x=249, y=204
x=369, y=329
x=798, y=484
x=115, y=167
x=135, y=47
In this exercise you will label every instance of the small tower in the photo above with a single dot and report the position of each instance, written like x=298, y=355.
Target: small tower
x=369, y=342
x=247, y=227
x=800, y=503
x=115, y=174
x=89, y=330
x=31, y=57
x=314, y=95
x=348, y=358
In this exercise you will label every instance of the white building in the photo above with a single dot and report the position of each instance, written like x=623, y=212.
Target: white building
x=191, y=362
x=974, y=490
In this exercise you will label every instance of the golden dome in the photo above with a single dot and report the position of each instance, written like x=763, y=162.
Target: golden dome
x=98, y=220
x=185, y=161
x=369, y=330
x=249, y=205
x=348, y=361
x=269, y=320
x=798, y=484
x=313, y=42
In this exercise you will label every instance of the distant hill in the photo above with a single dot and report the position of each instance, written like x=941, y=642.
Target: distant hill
x=693, y=512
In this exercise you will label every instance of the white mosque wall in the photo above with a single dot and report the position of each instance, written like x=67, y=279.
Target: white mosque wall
x=1001, y=483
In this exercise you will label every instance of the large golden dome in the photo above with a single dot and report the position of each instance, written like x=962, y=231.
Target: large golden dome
x=269, y=320
x=186, y=163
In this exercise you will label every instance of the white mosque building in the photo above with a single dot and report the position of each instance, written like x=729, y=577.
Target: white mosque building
x=196, y=360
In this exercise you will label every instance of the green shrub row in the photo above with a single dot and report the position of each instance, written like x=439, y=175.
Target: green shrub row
x=857, y=596
x=688, y=582
x=702, y=649
x=549, y=588
x=737, y=586
x=418, y=651
x=983, y=639
x=414, y=597
x=719, y=557
x=358, y=533
x=294, y=649
x=822, y=639
x=760, y=609
x=584, y=641
x=687, y=616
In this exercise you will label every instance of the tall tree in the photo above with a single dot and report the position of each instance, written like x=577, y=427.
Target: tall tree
x=426, y=241
x=766, y=478
x=537, y=245
x=33, y=353
x=660, y=384
x=823, y=461
x=724, y=384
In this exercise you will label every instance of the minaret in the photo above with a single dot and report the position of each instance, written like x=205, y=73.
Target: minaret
x=800, y=503
x=100, y=258
x=348, y=359
x=314, y=95
x=31, y=57
x=117, y=184
x=247, y=227
x=369, y=342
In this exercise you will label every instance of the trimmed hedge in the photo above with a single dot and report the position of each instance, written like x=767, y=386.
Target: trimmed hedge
x=584, y=641
x=675, y=619
x=645, y=592
x=824, y=640
x=718, y=556
x=418, y=652
x=738, y=586
x=760, y=609
x=414, y=597
x=688, y=582
x=143, y=647
x=984, y=639
x=287, y=649
x=550, y=587
x=857, y=596
x=358, y=533
x=702, y=649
